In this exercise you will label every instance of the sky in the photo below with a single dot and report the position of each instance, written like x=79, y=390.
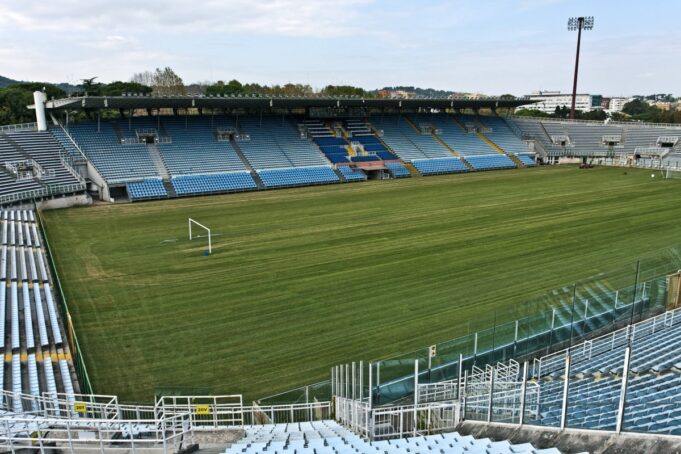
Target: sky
x=487, y=46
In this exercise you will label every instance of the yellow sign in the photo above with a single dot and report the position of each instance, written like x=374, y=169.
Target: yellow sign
x=202, y=410
x=80, y=407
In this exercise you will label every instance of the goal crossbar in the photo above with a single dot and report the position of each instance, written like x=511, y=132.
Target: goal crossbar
x=192, y=221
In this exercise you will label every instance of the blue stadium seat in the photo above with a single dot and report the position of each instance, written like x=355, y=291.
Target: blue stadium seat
x=213, y=183
x=397, y=170
x=439, y=166
x=146, y=189
x=351, y=174
x=297, y=176
x=490, y=162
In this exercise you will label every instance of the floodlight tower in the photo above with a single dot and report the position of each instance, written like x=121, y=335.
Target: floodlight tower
x=579, y=24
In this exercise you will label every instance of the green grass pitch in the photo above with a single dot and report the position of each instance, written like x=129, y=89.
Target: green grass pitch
x=304, y=279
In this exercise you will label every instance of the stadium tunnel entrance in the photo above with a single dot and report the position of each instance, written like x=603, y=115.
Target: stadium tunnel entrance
x=376, y=174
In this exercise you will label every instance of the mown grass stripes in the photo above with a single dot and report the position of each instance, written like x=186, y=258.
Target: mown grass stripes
x=305, y=278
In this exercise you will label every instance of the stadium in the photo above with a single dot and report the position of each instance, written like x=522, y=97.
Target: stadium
x=337, y=274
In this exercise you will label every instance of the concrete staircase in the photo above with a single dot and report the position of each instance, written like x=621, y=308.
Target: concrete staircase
x=452, y=151
x=340, y=175
x=156, y=158
x=412, y=124
x=410, y=167
x=498, y=149
x=170, y=189
x=240, y=154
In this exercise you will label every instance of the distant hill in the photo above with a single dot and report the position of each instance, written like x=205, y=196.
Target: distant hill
x=429, y=92
x=6, y=81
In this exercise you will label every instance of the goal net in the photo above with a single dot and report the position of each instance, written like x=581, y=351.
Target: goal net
x=673, y=173
x=195, y=235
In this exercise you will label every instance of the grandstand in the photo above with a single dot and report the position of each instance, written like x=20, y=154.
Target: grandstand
x=634, y=144
x=600, y=356
x=34, y=165
x=36, y=350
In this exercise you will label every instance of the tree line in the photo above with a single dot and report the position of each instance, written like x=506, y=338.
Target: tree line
x=166, y=82
x=636, y=110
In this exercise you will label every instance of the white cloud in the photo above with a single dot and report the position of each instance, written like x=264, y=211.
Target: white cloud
x=318, y=18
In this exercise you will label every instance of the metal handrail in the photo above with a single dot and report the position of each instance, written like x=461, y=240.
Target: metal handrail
x=597, y=122
x=19, y=127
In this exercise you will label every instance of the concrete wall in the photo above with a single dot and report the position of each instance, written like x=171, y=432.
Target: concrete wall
x=574, y=440
x=65, y=202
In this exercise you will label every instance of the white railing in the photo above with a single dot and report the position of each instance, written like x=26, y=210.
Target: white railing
x=396, y=421
x=19, y=127
x=206, y=412
x=597, y=122
x=52, y=189
x=617, y=339
x=649, y=151
x=73, y=435
x=668, y=139
x=438, y=392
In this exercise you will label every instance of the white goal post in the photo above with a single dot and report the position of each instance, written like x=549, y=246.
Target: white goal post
x=673, y=173
x=191, y=221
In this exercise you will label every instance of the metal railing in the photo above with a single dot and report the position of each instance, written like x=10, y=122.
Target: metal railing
x=597, y=122
x=19, y=127
x=205, y=412
x=398, y=421
x=49, y=190
x=73, y=435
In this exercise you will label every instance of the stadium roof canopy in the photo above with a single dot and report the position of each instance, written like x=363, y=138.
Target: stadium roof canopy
x=218, y=102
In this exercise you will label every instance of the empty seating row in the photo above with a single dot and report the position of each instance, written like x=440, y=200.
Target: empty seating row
x=297, y=176
x=527, y=160
x=439, y=166
x=275, y=143
x=327, y=437
x=214, y=183
x=30, y=329
x=408, y=143
x=490, y=162
x=653, y=395
x=194, y=146
x=351, y=174
x=464, y=142
x=117, y=163
x=49, y=177
x=146, y=189
x=397, y=170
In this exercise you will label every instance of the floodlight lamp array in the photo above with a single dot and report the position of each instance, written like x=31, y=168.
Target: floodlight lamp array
x=587, y=23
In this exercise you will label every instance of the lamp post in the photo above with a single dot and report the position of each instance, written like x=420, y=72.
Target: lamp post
x=579, y=24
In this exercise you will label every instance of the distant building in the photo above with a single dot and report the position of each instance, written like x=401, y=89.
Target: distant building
x=617, y=104
x=662, y=105
x=549, y=100
x=396, y=94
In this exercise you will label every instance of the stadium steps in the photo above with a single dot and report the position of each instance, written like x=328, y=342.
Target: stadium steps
x=410, y=167
x=543, y=128
x=412, y=124
x=351, y=152
x=340, y=175
x=158, y=161
x=16, y=146
x=117, y=130
x=466, y=163
x=240, y=154
x=498, y=149
x=19, y=150
x=170, y=189
x=458, y=123
x=377, y=133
